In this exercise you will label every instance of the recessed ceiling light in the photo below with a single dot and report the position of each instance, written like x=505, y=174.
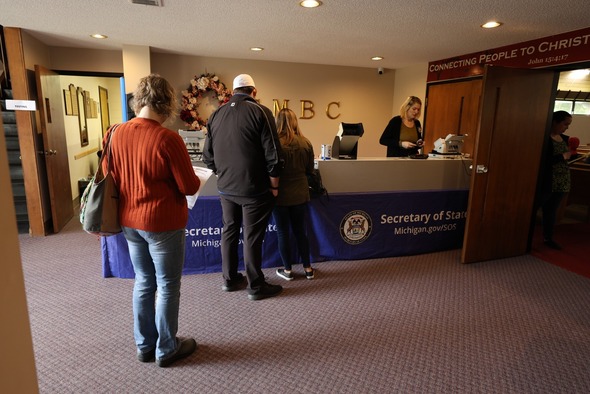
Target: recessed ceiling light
x=377, y=58
x=491, y=25
x=257, y=49
x=99, y=36
x=310, y=3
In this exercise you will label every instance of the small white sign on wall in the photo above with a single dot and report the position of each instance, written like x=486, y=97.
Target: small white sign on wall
x=21, y=105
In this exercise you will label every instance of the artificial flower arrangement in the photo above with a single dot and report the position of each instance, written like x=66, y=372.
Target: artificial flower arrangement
x=199, y=86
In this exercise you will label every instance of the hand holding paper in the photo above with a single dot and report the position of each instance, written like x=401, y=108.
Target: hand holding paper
x=203, y=174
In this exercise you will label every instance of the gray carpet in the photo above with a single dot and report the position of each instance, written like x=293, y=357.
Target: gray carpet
x=416, y=324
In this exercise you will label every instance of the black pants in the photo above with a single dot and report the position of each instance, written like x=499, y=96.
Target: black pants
x=287, y=219
x=550, y=206
x=252, y=213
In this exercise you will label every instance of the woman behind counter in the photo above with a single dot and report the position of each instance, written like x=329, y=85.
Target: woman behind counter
x=403, y=134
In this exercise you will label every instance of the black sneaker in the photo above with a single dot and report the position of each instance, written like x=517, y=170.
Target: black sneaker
x=310, y=274
x=185, y=347
x=146, y=357
x=238, y=283
x=284, y=274
x=265, y=291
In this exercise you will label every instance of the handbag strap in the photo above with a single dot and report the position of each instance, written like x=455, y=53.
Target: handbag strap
x=107, y=148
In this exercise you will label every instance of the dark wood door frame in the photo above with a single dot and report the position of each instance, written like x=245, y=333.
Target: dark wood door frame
x=56, y=150
x=24, y=89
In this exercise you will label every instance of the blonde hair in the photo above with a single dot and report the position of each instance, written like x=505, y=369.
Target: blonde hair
x=411, y=100
x=287, y=126
x=155, y=92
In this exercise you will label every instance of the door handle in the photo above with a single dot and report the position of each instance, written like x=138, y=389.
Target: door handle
x=49, y=152
x=481, y=169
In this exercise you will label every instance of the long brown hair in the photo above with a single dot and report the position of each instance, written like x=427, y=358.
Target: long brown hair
x=287, y=126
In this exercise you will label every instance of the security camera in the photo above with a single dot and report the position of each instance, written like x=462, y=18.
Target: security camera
x=380, y=70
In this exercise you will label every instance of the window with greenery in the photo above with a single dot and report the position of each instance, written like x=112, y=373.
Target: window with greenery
x=563, y=106
x=573, y=107
x=582, y=108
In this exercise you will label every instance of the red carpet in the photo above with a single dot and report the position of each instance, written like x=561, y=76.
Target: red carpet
x=575, y=241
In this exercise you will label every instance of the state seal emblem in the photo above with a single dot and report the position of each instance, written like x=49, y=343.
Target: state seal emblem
x=355, y=227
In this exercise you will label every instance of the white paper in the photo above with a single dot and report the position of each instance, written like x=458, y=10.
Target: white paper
x=203, y=174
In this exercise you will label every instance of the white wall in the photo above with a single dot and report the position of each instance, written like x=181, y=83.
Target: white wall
x=409, y=81
x=580, y=128
x=86, y=60
x=136, y=65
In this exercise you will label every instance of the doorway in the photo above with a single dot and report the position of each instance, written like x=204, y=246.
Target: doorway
x=573, y=96
x=99, y=103
x=495, y=221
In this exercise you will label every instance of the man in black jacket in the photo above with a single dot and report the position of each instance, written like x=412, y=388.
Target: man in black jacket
x=243, y=150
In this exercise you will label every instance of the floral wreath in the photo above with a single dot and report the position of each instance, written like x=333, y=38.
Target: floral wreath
x=192, y=96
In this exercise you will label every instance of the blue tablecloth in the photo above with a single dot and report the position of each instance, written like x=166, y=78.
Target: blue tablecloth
x=349, y=226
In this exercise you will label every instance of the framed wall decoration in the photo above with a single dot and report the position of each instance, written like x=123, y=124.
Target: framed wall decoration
x=87, y=103
x=80, y=99
x=74, y=99
x=93, y=109
x=103, y=99
x=68, y=102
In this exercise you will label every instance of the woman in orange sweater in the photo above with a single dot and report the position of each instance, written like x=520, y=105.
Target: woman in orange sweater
x=153, y=171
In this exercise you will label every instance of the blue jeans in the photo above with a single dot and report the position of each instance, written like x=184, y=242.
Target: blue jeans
x=292, y=218
x=158, y=259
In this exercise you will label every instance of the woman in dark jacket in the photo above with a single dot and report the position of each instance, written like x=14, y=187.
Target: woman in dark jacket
x=291, y=202
x=403, y=134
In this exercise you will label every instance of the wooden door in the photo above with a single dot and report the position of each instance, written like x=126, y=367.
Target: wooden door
x=515, y=111
x=51, y=110
x=452, y=108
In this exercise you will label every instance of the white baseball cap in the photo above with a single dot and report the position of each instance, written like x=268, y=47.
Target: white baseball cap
x=243, y=80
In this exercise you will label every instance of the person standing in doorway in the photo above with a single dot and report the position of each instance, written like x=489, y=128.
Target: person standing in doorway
x=243, y=150
x=556, y=178
x=291, y=205
x=152, y=168
x=403, y=134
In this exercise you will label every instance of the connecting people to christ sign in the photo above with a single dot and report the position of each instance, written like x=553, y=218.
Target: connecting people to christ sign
x=567, y=48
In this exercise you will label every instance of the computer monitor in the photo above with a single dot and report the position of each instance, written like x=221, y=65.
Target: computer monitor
x=351, y=129
x=345, y=143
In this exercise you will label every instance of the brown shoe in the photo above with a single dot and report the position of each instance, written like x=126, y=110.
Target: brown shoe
x=185, y=348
